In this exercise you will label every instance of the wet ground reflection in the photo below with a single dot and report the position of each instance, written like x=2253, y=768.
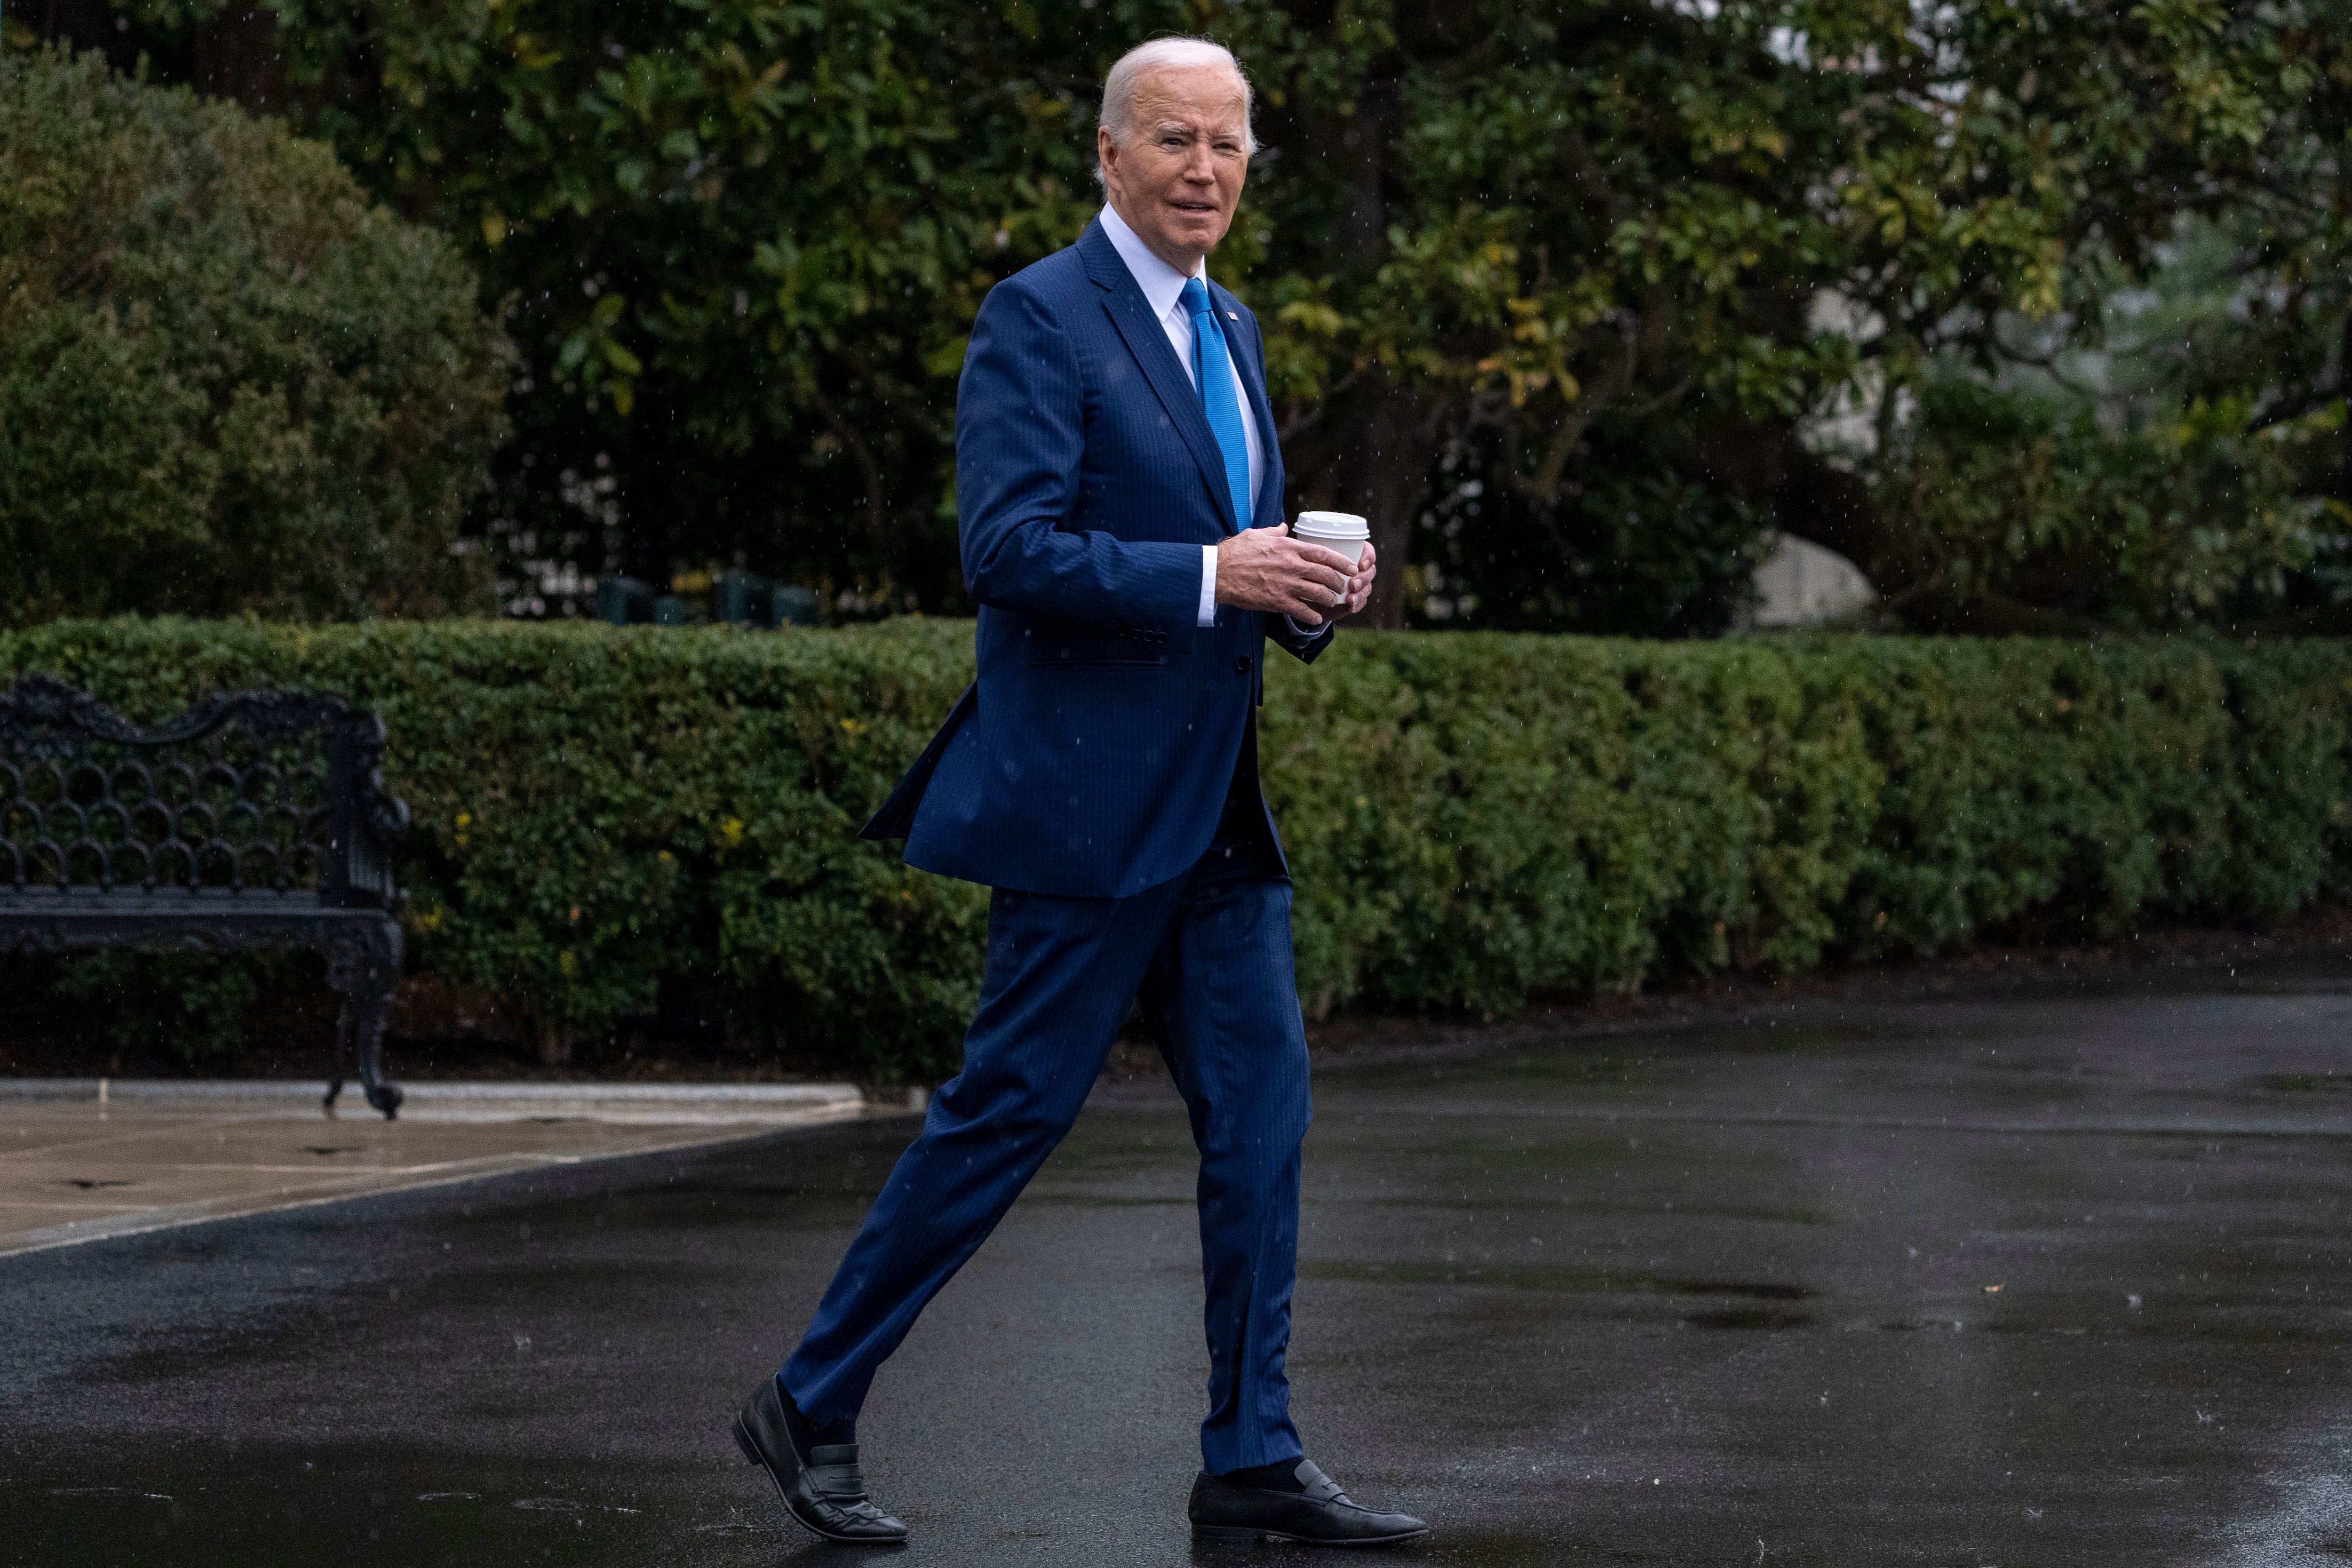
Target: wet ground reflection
x=2021, y=1280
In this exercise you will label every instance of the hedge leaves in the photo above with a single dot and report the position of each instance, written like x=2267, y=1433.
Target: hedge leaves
x=1473, y=819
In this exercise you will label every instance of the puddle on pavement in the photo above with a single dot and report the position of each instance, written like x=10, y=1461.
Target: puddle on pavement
x=1537, y=1203
x=1485, y=1547
x=267, y=1509
x=2305, y=1082
x=1508, y=1153
x=1749, y=1320
x=1104, y=1201
x=1545, y=1277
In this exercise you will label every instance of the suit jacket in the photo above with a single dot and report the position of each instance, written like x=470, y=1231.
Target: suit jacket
x=1093, y=756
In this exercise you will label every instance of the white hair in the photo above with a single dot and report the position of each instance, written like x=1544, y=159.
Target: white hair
x=1118, y=115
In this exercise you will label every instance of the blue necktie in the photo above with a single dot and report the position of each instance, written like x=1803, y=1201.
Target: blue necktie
x=1212, y=373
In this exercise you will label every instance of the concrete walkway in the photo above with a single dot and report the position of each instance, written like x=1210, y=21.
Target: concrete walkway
x=84, y=1158
x=2026, y=1281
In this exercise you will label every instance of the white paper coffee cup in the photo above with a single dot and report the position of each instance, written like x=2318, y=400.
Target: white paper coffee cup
x=1343, y=532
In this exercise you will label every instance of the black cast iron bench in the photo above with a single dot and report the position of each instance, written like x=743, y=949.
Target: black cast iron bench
x=254, y=819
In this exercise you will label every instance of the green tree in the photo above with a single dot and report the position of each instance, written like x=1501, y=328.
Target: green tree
x=2165, y=442
x=743, y=242
x=227, y=382
x=1593, y=260
x=2040, y=514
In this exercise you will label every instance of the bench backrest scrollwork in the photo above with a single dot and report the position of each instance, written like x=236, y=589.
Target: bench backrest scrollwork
x=274, y=790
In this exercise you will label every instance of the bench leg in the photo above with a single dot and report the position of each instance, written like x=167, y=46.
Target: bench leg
x=364, y=965
x=342, y=1068
x=374, y=1012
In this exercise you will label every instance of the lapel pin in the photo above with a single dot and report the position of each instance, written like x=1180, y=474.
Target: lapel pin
x=1230, y=316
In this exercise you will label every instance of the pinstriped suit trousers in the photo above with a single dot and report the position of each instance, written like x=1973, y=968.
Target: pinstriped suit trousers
x=1210, y=955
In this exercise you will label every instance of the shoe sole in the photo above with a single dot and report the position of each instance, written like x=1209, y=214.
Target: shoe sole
x=1251, y=1533
x=752, y=1454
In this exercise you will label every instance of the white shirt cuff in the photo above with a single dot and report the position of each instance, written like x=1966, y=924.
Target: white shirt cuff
x=1208, y=616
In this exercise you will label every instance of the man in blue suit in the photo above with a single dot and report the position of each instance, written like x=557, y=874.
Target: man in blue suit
x=1121, y=506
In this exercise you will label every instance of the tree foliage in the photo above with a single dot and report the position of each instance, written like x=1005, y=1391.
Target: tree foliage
x=227, y=382
x=2166, y=442
x=1527, y=269
x=2188, y=515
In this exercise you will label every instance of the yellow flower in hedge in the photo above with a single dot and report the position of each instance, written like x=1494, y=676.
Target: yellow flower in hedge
x=730, y=832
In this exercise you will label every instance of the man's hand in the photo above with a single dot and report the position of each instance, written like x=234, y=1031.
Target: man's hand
x=1265, y=569
x=1359, y=592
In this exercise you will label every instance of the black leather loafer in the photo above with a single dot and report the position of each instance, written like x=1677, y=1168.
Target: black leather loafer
x=1322, y=1515
x=827, y=1495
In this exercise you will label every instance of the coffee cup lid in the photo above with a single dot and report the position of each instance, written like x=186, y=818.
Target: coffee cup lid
x=1333, y=525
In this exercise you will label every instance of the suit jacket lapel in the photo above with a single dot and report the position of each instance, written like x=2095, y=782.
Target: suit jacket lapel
x=1149, y=343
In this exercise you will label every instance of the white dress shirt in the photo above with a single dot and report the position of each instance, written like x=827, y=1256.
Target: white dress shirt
x=1163, y=289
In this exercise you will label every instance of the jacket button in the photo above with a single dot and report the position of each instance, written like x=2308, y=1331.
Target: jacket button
x=1241, y=665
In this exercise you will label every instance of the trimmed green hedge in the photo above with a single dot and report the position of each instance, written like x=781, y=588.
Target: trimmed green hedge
x=1473, y=818
x=227, y=380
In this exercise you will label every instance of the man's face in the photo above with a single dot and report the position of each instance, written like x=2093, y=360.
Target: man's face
x=1179, y=177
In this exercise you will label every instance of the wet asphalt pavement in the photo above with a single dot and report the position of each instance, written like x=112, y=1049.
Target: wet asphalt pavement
x=1713, y=1293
